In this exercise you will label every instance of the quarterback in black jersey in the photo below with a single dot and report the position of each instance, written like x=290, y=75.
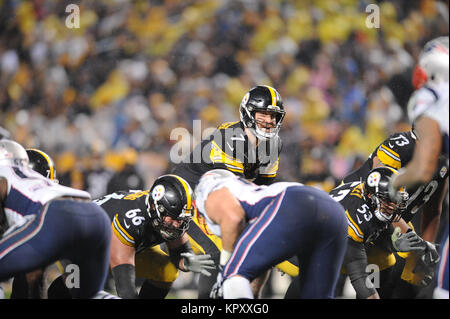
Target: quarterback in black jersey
x=249, y=148
x=143, y=220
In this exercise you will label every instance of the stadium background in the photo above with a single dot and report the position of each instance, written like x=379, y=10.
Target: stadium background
x=103, y=99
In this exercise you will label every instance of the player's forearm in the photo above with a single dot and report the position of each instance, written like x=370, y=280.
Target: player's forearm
x=176, y=248
x=412, y=176
x=355, y=262
x=124, y=278
x=430, y=228
x=231, y=228
x=426, y=153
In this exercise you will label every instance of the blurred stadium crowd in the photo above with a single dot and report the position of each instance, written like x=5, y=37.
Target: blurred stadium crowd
x=103, y=99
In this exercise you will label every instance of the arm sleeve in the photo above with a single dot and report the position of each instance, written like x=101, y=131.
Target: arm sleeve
x=355, y=262
x=124, y=278
x=174, y=253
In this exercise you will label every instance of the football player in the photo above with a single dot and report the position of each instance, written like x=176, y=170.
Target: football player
x=143, y=220
x=249, y=148
x=41, y=222
x=428, y=111
x=31, y=285
x=261, y=226
x=396, y=152
x=371, y=215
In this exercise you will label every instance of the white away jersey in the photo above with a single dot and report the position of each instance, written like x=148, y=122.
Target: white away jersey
x=28, y=191
x=431, y=101
x=245, y=192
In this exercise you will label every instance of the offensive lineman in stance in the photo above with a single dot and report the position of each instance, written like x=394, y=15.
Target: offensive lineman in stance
x=41, y=222
x=261, y=226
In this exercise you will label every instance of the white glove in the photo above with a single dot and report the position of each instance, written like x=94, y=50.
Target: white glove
x=217, y=288
x=198, y=263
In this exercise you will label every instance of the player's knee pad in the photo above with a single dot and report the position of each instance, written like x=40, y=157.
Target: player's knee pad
x=237, y=287
x=155, y=264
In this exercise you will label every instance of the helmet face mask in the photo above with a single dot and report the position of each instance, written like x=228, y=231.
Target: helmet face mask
x=376, y=188
x=170, y=206
x=266, y=100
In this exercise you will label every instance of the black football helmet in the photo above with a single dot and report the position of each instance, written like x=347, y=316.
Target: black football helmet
x=262, y=98
x=42, y=163
x=376, y=189
x=170, y=196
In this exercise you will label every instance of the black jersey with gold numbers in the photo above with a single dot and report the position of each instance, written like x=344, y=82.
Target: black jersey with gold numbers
x=229, y=148
x=130, y=220
x=395, y=151
x=363, y=226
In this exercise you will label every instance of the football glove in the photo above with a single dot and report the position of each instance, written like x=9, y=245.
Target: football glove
x=408, y=241
x=427, y=264
x=217, y=288
x=198, y=263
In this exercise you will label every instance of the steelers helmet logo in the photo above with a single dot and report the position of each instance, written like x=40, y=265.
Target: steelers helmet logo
x=373, y=179
x=443, y=171
x=158, y=192
x=245, y=98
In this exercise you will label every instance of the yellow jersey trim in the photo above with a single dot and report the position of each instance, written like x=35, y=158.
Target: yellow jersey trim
x=226, y=125
x=389, y=157
x=217, y=155
x=353, y=230
x=123, y=236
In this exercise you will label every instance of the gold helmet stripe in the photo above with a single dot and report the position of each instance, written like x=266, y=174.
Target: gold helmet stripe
x=273, y=94
x=49, y=162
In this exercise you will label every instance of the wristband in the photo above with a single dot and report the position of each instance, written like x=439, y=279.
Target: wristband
x=224, y=256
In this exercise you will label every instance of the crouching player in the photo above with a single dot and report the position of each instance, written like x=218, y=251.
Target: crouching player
x=261, y=226
x=42, y=222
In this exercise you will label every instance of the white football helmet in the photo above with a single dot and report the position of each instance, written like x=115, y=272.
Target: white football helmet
x=12, y=153
x=433, y=63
